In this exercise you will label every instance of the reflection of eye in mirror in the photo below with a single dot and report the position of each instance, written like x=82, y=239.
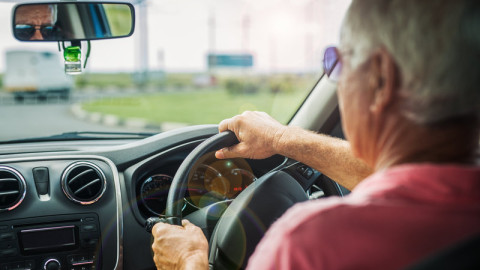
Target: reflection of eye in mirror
x=73, y=21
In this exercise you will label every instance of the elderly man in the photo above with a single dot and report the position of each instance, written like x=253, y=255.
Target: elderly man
x=35, y=22
x=408, y=82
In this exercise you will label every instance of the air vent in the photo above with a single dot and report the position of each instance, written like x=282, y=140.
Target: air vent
x=12, y=188
x=83, y=182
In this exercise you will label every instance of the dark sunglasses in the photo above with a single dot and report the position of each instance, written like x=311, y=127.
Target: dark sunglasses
x=332, y=65
x=26, y=31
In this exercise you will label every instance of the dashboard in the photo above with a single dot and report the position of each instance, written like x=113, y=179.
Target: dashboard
x=83, y=204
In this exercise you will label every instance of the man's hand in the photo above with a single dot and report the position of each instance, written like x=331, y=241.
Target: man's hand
x=178, y=247
x=257, y=132
x=261, y=136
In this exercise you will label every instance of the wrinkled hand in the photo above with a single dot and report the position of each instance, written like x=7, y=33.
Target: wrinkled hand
x=257, y=132
x=178, y=247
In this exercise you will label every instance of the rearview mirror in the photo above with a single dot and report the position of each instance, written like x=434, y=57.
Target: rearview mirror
x=75, y=21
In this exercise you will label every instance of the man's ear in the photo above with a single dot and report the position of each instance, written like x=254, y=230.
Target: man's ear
x=383, y=81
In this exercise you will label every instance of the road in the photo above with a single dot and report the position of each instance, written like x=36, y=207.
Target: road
x=33, y=118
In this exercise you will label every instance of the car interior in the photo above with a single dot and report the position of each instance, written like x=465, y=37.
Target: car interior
x=83, y=204
x=88, y=204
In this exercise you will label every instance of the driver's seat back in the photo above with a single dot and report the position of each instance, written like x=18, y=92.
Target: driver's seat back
x=464, y=255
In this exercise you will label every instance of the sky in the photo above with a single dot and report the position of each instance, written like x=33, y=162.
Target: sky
x=282, y=35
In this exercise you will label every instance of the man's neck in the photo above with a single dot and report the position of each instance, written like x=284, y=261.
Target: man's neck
x=455, y=143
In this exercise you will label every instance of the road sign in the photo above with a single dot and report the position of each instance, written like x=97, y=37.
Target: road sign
x=230, y=60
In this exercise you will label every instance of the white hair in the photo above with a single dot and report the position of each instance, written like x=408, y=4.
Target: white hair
x=54, y=11
x=436, y=46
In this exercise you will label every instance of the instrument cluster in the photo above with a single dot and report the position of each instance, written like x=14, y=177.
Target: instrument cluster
x=210, y=180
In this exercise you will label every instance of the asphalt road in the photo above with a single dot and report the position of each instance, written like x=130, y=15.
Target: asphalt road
x=34, y=118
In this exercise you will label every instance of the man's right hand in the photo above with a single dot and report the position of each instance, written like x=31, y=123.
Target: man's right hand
x=179, y=247
x=257, y=132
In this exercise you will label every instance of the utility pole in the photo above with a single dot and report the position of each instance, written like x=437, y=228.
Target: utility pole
x=273, y=54
x=211, y=31
x=309, y=22
x=245, y=32
x=142, y=42
x=211, y=44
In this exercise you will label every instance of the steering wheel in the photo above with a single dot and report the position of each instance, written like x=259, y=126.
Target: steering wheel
x=248, y=217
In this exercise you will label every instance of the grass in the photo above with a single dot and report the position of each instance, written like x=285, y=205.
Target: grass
x=102, y=80
x=199, y=107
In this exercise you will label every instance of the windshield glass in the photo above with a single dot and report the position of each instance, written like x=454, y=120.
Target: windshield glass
x=189, y=62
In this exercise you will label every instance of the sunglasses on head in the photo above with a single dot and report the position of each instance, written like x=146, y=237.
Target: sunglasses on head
x=26, y=31
x=332, y=65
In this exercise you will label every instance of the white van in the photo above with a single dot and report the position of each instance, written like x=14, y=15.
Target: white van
x=36, y=73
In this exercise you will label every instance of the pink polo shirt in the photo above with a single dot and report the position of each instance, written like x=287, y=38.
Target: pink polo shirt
x=392, y=219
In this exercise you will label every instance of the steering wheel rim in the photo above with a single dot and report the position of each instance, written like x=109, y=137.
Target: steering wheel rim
x=227, y=249
x=178, y=187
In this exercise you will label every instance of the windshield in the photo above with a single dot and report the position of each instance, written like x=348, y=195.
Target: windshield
x=189, y=62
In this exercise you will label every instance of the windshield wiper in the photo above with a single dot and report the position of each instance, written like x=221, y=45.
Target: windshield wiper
x=85, y=135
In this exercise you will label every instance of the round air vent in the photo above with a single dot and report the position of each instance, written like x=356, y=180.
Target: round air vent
x=12, y=188
x=83, y=182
